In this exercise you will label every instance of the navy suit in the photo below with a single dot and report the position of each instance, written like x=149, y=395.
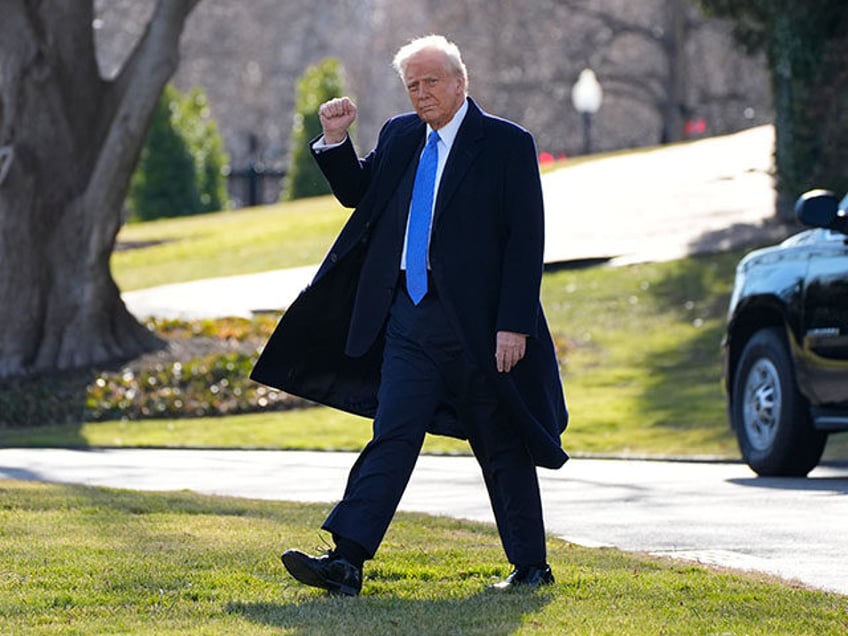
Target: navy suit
x=353, y=339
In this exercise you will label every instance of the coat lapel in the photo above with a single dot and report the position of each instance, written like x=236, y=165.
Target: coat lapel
x=397, y=159
x=400, y=149
x=465, y=148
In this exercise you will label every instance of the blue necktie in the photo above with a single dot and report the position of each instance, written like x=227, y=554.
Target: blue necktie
x=420, y=213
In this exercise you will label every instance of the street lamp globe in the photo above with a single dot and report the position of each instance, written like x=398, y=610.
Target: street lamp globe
x=586, y=96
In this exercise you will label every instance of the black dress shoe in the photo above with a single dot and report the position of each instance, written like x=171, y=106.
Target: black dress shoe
x=527, y=577
x=333, y=573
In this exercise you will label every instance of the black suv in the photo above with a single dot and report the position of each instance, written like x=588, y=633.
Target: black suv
x=786, y=346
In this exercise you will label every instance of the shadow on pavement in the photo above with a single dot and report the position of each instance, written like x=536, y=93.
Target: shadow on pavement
x=20, y=474
x=577, y=263
x=742, y=235
x=837, y=485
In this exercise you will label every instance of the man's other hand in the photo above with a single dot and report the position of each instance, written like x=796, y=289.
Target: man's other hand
x=509, y=350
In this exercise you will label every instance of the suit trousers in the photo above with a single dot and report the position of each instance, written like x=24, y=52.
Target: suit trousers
x=425, y=368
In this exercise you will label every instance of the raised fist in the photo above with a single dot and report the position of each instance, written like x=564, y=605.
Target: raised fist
x=336, y=117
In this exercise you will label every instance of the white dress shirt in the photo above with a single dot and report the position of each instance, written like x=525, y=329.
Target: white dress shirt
x=447, y=135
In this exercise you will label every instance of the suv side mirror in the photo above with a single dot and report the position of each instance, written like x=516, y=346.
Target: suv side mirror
x=820, y=208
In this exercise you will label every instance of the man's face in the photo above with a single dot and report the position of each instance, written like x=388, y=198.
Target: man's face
x=435, y=92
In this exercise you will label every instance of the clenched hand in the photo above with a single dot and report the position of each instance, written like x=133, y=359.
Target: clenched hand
x=336, y=117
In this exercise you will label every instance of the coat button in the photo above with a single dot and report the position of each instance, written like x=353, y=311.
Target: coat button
x=334, y=257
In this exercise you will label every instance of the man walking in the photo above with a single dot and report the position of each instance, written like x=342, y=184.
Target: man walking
x=425, y=315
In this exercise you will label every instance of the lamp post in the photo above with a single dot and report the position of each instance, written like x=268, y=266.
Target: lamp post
x=586, y=95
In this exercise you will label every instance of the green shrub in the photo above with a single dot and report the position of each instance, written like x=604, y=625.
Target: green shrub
x=318, y=84
x=182, y=165
x=216, y=384
x=200, y=131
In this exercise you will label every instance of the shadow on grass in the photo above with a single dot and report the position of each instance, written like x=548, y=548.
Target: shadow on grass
x=486, y=612
x=117, y=503
x=683, y=391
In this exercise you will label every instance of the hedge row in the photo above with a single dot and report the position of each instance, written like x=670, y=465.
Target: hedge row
x=216, y=384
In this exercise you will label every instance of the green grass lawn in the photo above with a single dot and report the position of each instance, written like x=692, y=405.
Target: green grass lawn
x=643, y=367
x=79, y=560
x=303, y=429
x=227, y=243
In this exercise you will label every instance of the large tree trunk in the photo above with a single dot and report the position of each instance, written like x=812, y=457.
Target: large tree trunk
x=69, y=141
x=805, y=45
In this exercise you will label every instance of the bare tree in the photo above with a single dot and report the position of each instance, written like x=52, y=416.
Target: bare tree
x=69, y=139
x=643, y=54
x=660, y=63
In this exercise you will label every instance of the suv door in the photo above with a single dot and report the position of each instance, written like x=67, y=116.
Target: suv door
x=823, y=368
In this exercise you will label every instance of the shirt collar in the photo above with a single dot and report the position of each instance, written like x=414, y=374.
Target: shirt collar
x=448, y=132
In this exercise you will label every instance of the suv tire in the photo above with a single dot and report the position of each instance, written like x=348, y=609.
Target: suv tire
x=770, y=417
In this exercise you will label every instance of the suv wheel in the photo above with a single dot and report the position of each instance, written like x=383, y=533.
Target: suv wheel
x=770, y=417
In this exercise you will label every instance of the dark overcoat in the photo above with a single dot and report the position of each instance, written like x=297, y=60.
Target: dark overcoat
x=486, y=261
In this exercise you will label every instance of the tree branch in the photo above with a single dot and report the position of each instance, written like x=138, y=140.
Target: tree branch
x=626, y=87
x=134, y=94
x=167, y=14
x=614, y=23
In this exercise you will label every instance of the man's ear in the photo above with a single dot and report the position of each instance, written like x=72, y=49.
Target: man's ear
x=461, y=85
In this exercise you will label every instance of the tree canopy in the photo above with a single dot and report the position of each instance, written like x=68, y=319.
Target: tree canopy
x=805, y=44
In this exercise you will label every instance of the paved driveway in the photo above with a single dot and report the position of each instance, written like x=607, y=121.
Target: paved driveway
x=663, y=203
x=709, y=512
